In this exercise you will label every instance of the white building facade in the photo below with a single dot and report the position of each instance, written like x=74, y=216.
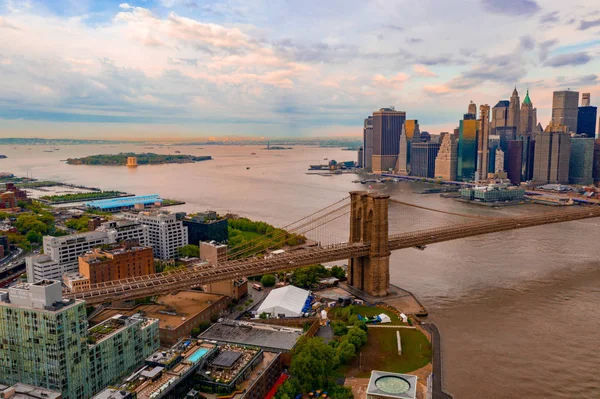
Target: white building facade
x=165, y=233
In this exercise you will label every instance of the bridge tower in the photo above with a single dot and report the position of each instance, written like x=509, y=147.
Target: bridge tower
x=369, y=224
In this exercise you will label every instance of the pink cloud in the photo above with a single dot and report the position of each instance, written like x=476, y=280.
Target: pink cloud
x=421, y=70
x=394, y=82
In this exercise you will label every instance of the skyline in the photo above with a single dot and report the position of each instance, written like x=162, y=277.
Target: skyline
x=187, y=69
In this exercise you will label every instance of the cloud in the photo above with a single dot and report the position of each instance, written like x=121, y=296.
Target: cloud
x=441, y=59
x=584, y=80
x=394, y=27
x=413, y=40
x=550, y=18
x=5, y=24
x=421, y=70
x=527, y=42
x=394, y=82
x=584, y=25
x=544, y=48
x=511, y=7
x=579, y=58
x=125, y=6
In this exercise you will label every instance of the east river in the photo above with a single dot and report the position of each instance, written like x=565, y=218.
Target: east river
x=519, y=311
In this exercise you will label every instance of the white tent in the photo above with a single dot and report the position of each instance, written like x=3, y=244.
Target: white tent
x=288, y=300
x=385, y=318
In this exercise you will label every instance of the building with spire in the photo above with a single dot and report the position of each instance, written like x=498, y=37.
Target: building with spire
x=528, y=116
x=368, y=143
x=446, y=162
x=513, y=116
x=403, y=165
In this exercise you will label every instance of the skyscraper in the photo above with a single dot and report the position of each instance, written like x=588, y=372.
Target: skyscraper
x=499, y=116
x=586, y=117
x=403, y=164
x=387, y=128
x=506, y=133
x=528, y=118
x=528, y=156
x=565, y=109
x=472, y=110
x=514, y=117
x=368, y=143
x=447, y=158
x=423, y=156
x=515, y=161
x=467, y=148
x=483, y=142
x=499, y=164
x=552, y=153
x=581, y=162
x=596, y=167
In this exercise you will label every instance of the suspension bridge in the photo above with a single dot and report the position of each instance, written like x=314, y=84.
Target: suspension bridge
x=362, y=228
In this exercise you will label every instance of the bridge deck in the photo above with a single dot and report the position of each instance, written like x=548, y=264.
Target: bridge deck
x=162, y=283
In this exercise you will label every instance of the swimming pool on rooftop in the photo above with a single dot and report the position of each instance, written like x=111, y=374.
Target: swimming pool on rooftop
x=199, y=354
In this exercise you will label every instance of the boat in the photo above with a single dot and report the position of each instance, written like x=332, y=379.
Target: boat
x=2, y=156
x=252, y=153
x=325, y=159
x=247, y=167
x=56, y=149
x=421, y=247
x=48, y=151
x=177, y=152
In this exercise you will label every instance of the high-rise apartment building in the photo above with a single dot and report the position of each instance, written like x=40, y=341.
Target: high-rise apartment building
x=368, y=143
x=166, y=234
x=423, y=156
x=581, y=162
x=43, y=339
x=387, y=128
x=587, y=117
x=467, y=148
x=565, y=109
x=483, y=142
x=514, y=110
x=552, y=153
x=446, y=162
x=528, y=116
x=499, y=116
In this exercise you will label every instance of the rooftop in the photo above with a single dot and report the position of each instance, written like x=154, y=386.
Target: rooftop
x=392, y=385
x=24, y=391
x=255, y=334
x=111, y=393
x=171, y=310
x=126, y=201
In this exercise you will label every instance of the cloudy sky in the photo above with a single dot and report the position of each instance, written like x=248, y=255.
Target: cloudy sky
x=237, y=68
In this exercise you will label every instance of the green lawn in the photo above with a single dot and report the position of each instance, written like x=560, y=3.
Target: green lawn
x=365, y=311
x=381, y=353
x=249, y=235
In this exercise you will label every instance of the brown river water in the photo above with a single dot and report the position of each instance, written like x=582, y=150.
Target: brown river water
x=518, y=311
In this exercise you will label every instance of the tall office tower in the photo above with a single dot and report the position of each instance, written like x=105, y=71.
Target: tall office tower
x=581, y=162
x=467, y=148
x=596, y=167
x=514, y=110
x=403, y=164
x=552, y=153
x=565, y=109
x=499, y=116
x=528, y=116
x=423, y=156
x=585, y=99
x=44, y=340
x=360, y=158
x=472, y=109
x=499, y=164
x=586, y=117
x=483, y=142
x=368, y=143
x=527, y=157
x=387, y=128
x=447, y=158
x=412, y=127
x=506, y=133
x=166, y=233
x=514, y=161
x=493, y=145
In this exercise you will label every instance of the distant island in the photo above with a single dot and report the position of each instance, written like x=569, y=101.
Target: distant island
x=142, y=159
x=275, y=147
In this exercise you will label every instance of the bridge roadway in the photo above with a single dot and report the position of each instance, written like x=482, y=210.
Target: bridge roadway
x=162, y=283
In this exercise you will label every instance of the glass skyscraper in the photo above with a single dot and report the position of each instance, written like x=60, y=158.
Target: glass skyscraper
x=586, y=121
x=467, y=148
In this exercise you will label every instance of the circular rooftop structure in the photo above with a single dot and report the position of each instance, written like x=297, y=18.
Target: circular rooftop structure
x=392, y=384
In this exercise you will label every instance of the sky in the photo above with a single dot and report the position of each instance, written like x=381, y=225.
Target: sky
x=180, y=69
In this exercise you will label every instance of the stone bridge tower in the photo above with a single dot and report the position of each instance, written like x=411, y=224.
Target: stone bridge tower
x=369, y=224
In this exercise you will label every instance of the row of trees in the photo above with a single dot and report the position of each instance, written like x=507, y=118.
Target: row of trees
x=33, y=225
x=142, y=159
x=308, y=277
x=248, y=244
x=81, y=196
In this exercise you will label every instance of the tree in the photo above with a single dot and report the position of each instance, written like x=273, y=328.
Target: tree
x=314, y=364
x=268, y=280
x=33, y=236
x=338, y=272
x=189, y=251
x=346, y=351
x=339, y=328
x=356, y=337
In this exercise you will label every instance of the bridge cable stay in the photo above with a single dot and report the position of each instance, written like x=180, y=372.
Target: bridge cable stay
x=286, y=228
x=263, y=243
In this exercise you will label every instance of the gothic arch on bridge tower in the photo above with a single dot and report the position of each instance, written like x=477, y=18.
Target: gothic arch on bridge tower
x=368, y=226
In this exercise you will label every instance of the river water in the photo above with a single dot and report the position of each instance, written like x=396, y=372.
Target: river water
x=518, y=311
